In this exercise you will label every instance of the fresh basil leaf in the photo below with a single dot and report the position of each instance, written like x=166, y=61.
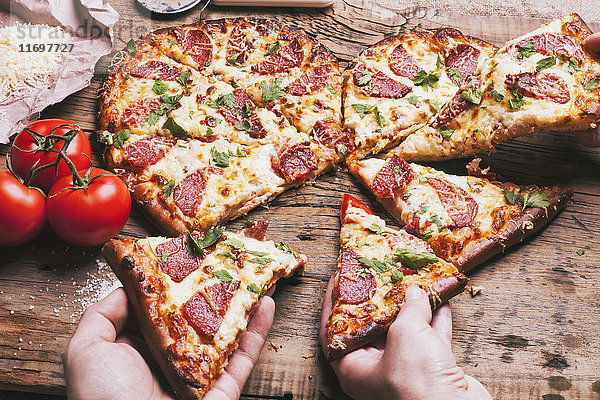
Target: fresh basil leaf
x=175, y=129
x=168, y=187
x=536, y=200
x=497, y=96
x=375, y=264
x=131, y=47
x=227, y=100
x=377, y=229
x=591, y=84
x=511, y=197
x=332, y=91
x=257, y=253
x=233, y=58
x=182, y=79
x=252, y=287
x=261, y=260
x=284, y=247
x=473, y=96
x=434, y=105
x=272, y=90
x=235, y=243
x=573, y=66
x=446, y=132
x=396, y=276
x=414, y=259
x=220, y=159
x=168, y=103
x=455, y=73
x=365, y=79
x=164, y=256
x=423, y=209
x=160, y=87
x=273, y=48
x=427, y=80
x=436, y=220
x=363, y=109
x=343, y=150
x=413, y=100
x=544, y=63
x=227, y=253
x=527, y=51
x=427, y=235
x=440, y=61
x=223, y=275
x=244, y=125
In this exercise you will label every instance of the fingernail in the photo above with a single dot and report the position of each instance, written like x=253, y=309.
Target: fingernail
x=413, y=292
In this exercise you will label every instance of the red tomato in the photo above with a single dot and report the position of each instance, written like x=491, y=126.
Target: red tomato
x=22, y=160
x=22, y=211
x=88, y=217
x=348, y=201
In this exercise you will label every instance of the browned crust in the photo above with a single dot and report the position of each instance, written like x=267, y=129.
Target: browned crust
x=441, y=291
x=531, y=221
x=154, y=329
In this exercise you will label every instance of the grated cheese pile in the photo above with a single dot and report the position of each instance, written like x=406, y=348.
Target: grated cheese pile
x=24, y=71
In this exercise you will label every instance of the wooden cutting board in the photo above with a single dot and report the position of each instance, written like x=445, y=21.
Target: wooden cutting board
x=533, y=332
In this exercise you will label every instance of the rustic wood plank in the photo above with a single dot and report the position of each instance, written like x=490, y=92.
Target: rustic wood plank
x=533, y=331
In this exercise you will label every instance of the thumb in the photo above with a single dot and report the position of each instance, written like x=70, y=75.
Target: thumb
x=414, y=317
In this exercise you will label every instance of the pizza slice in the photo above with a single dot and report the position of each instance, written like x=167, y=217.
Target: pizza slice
x=544, y=80
x=465, y=219
x=397, y=85
x=194, y=294
x=375, y=266
x=189, y=185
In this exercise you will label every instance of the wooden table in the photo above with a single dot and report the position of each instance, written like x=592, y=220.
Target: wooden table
x=533, y=332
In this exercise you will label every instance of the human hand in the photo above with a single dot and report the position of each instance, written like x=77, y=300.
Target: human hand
x=106, y=359
x=591, y=138
x=415, y=361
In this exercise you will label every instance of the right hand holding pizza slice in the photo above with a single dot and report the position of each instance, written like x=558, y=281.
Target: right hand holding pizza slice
x=414, y=361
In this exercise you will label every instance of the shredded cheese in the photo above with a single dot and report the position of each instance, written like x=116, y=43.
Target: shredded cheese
x=23, y=65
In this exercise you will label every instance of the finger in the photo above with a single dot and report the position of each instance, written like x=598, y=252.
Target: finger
x=103, y=320
x=441, y=322
x=271, y=290
x=325, y=313
x=592, y=43
x=241, y=363
x=413, y=318
x=589, y=138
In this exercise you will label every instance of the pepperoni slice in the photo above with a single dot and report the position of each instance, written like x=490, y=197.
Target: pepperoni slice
x=238, y=46
x=353, y=289
x=147, y=151
x=380, y=85
x=155, y=69
x=257, y=230
x=239, y=112
x=204, y=312
x=294, y=162
x=330, y=135
x=464, y=58
x=554, y=43
x=545, y=86
x=197, y=44
x=288, y=57
x=395, y=174
x=179, y=263
x=189, y=192
x=136, y=113
x=311, y=81
x=459, y=205
x=402, y=63
x=456, y=106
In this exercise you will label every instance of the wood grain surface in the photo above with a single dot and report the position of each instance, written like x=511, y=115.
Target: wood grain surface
x=532, y=333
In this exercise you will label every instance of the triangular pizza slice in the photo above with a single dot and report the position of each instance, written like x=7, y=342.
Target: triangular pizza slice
x=396, y=86
x=542, y=81
x=375, y=266
x=194, y=294
x=465, y=219
x=189, y=185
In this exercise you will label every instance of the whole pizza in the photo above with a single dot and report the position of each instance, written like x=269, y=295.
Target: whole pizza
x=205, y=122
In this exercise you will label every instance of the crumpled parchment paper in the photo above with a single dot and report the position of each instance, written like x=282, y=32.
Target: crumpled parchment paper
x=89, y=22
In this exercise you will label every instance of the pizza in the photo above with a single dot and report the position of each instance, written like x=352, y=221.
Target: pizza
x=465, y=219
x=542, y=81
x=375, y=266
x=207, y=121
x=396, y=86
x=194, y=294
